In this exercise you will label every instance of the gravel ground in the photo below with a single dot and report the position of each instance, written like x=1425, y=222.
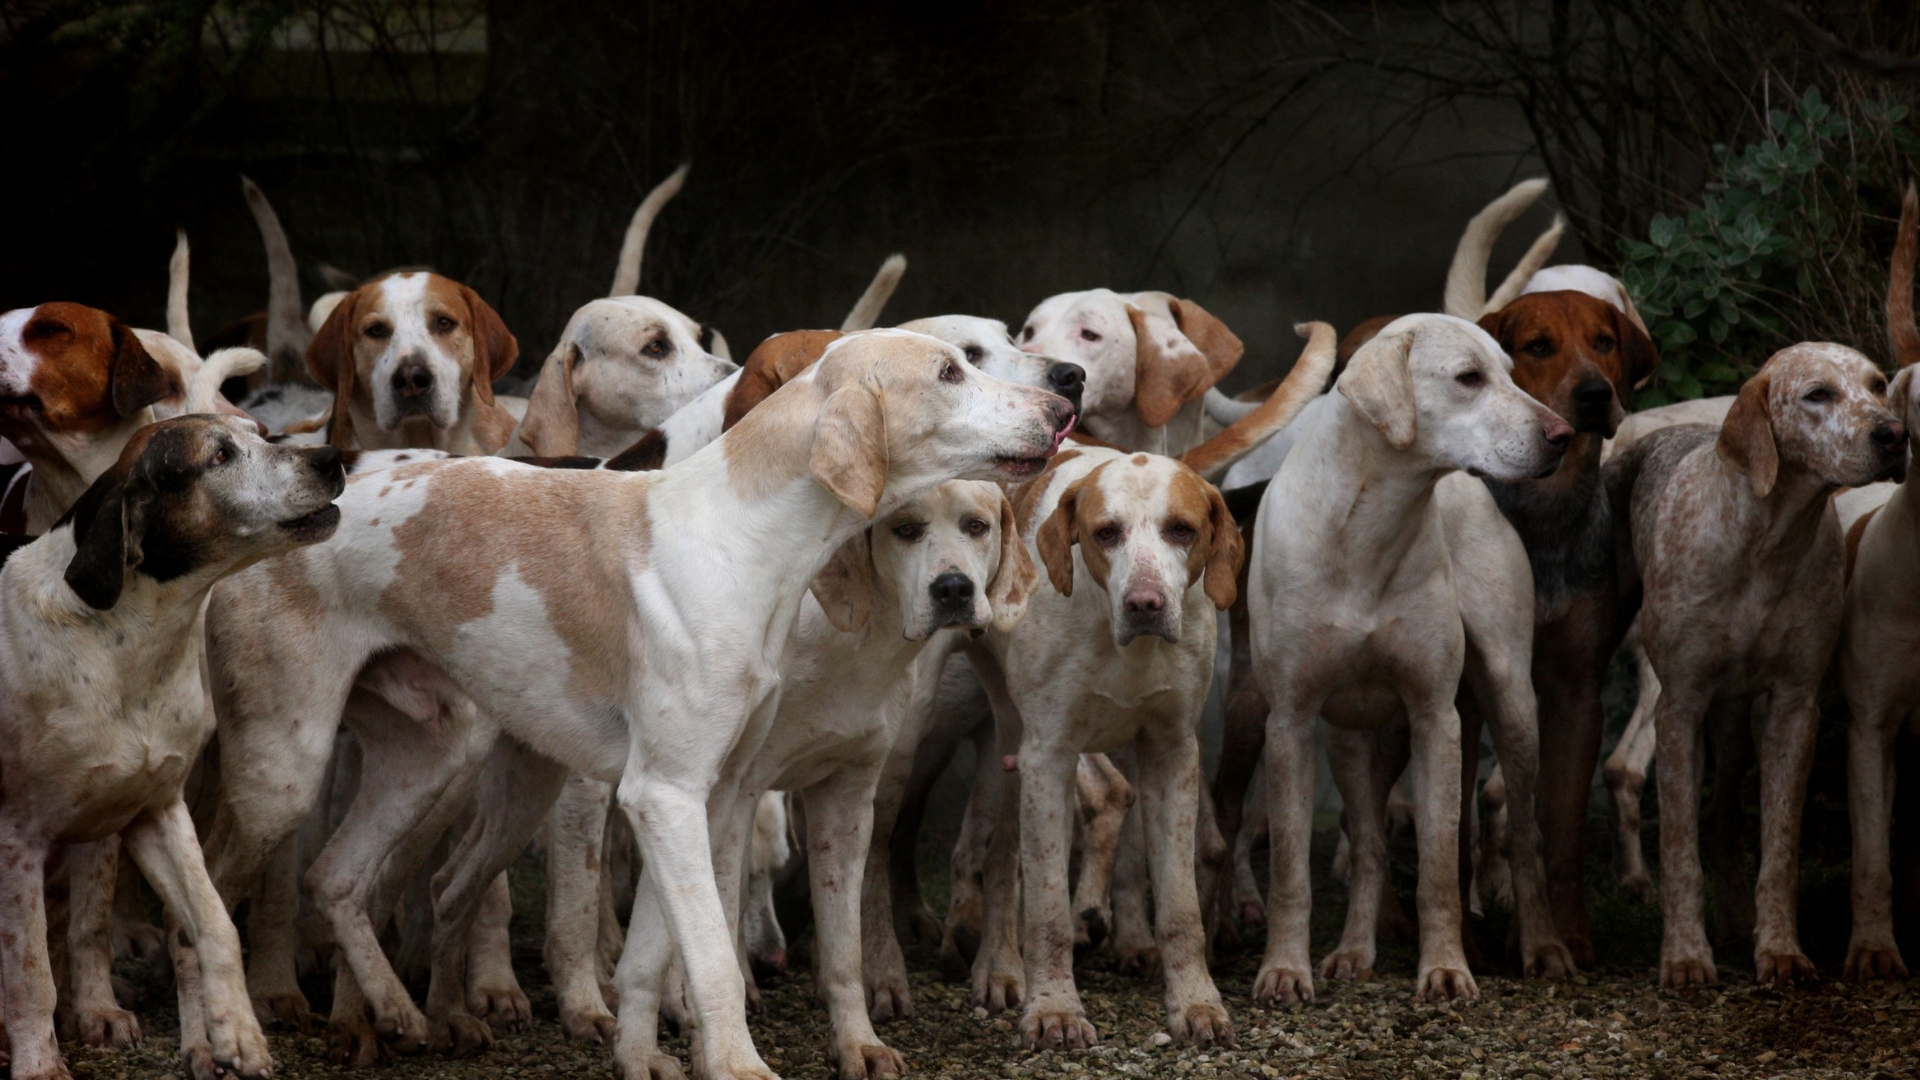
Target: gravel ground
x=1613, y=1022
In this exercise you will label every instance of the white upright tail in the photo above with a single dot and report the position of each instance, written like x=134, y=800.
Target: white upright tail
x=626, y=272
x=287, y=332
x=866, y=311
x=1466, y=295
x=1529, y=265
x=179, y=328
x=203, y=391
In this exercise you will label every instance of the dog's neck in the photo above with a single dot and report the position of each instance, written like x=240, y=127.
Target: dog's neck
x=161, y=618
x=65, y=465
x=1783, y=522
x=1367, y=494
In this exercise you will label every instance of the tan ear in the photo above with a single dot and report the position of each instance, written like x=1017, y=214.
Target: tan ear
x=845, y=586
x=551, y=427
x=1746, y=438
x=1637, y=353
x=1379, y=382
x=1057, y=536
x=1015, y=577
x=850, y=449
x=492, y=426
x=1225, y=551
x=1169, y=370
x=135, y=379
x=330, y=362
x=494, y=346
x=1221, y=346
x=771, y=366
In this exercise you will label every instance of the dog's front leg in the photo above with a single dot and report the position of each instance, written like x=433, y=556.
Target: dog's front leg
x=1686, y=957
x=999, y=976
x=1435, y=777
x=1352, y=756
x=92, y=870
x=1169, y=769
x=839, y=813
x=1872, y=953
x=575, y=829
x=1054, y=1018
x=1626, y=778
x=1286, y=971
x=26, y=972
x=165, y=847
x=1133, y=941
x=641, y=976
x=1785, y=740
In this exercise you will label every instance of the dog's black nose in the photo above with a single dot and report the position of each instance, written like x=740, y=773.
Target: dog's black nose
x=412, y=379
x=325, y=459
x=952, y=590
x=1067, y=380
x=1593, y=392
x=1887, y=434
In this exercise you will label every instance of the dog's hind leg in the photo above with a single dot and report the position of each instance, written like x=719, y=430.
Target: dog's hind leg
x=91, y=870
x=839, y=819
x=576, y=829
x=26, y=970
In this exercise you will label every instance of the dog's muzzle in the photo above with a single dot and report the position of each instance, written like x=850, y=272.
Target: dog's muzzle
x=1067, y=380
x=412, y=386
x=952, y=595
x=1593, y=404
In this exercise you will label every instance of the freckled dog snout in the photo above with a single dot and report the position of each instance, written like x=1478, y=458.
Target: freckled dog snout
x=1888, y=433
x=412, y=379
x=1067, y=380
x=952, y=590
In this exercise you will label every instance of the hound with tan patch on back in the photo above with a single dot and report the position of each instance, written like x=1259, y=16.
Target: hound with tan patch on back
x=411, y=359
x=1117, y=649
x=104, y=709
x=629, y=627
x=1739, y=555
x=1382, y=573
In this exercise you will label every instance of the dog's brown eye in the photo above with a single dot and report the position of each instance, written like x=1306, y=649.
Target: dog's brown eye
x=1107, y=535
x=910, y=532
x=975, y=354
x=656, y=348
x=1026, y=334
x=1818, y=395
x=1542, y=348
x=1878, y=386
x=379, y=331
x=443, y=325
x=976, y=528
x=42, y=330
x=1181, y=533
x=1603, y=344
x=1088, y=335
x=950, y=372
x=222, y=456
x=1470, y=378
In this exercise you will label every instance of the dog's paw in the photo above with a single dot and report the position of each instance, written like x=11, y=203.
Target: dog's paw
x=137, y=940
x=237, y=1045
x=1866, y=962
x=352, y=1042
x=1345, y=964
x=1447, y=984
x=889, y=998
x=1056, y=1025
x=1204, y=1024
x=658, y=1067
x=871, y=1062
x=1141, y=963
x=1284, y=985
x=284, y=1010
x=459, y=1034
x=114, y=1028
x=1004, y=988
x=56, y=1069
x=406, y=1032
x=1782, y=968
x=503, y=1007
x=1684, y=972
x=586, y=1024
x=1550, y=960
x=198, y=1059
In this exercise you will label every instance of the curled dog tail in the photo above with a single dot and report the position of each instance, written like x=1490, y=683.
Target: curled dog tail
x=626, y=272
x=287, y=332
x=1529, y=265
x=203, y=392
x=1212, y=459
x=1466, y=295
x=1901, y=330
x=866, y=311
x=178, y=326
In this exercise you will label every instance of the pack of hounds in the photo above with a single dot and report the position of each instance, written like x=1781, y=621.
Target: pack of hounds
x=342, y=652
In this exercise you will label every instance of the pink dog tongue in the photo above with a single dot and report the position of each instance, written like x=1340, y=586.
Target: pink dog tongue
x=1061, y=436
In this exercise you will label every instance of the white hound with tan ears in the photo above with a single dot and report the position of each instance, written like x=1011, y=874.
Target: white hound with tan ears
x=1374, y=564
x=655, y=599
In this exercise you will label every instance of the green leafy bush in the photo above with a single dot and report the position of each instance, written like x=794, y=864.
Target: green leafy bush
x=1777, y=250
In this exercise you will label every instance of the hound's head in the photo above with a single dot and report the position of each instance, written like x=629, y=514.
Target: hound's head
x=1579, y=356
x=70, y=372
x=948, y=557
x=414, y=344
x=623, y=365
x=198, y=495
x=1149, y=529
x=1822, y=408
x=890, y=414
x=988, y=347
x=1146, y=352
x=1442, y=389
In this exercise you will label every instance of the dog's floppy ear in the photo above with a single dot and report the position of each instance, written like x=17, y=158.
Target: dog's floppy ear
x=850, y=449
x=330, y=362
x=1638, y=357
x=1746, y=438
x=1170, y=368
x=551, y=427
x=1058, y=534
x=845, y=586
x=494, y=346
x=1900, y=400
x=135, y=379
x=1225, y=551
x=771, y=366
x=1379, y=382
x=106, y=529
x=1015, y=577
